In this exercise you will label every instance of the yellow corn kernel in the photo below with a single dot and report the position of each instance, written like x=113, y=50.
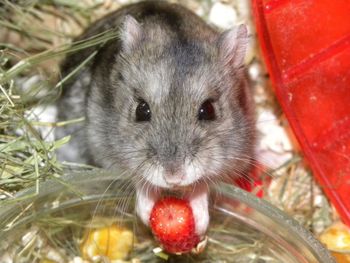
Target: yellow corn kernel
x=112, y=242
x=337, y=240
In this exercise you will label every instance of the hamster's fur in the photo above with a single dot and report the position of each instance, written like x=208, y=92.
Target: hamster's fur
x=169, y=58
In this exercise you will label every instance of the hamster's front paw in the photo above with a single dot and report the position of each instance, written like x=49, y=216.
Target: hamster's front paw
x=145, y=200
x=199, y=203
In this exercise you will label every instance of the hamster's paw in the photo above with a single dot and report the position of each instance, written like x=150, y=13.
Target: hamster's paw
x=199, y=204
x=145, y=200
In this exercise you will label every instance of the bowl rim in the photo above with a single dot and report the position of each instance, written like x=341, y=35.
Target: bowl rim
x=230, y=191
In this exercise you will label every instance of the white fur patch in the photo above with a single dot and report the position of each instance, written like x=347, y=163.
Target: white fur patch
x=155, y=176
x=193, y=172
x=145, y=200
x=199, y=204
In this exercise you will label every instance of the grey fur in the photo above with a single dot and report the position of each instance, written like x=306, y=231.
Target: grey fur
x=170, y=58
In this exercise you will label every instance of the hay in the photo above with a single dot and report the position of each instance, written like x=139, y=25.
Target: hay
x=34, y=39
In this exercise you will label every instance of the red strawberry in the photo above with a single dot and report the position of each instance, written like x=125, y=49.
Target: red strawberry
x=173, y=225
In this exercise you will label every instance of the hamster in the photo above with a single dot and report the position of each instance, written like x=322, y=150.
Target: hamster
x=168, y=101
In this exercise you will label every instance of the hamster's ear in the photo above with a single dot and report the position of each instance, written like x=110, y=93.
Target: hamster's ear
x=232, y=45
x=131, y=33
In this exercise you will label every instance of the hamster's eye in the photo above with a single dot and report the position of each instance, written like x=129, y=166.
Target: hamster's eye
x=143, y=112
x=206, y=111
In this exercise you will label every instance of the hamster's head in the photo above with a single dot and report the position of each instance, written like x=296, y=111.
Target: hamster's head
x=172, y=110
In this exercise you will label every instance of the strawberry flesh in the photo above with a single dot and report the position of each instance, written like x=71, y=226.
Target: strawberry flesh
x=172, y=223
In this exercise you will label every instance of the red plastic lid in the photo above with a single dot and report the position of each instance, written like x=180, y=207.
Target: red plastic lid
x=306, y=47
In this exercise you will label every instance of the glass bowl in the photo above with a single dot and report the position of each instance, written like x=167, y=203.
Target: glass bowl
x=53, y=223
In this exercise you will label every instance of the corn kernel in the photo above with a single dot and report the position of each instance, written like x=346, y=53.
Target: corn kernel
x=337, y=240
x=112, y=242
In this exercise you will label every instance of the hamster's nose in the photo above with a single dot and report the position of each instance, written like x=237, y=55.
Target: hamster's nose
x=173, y=173
x=174, y=150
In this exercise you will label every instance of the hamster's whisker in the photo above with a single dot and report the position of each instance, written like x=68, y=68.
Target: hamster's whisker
x=99, y=202
x=122, y=201
x=144, y=186
x=211, y=180
x=147, y=173
x=124, y=204
x=258, y=165
x=122, y=151
x=135, y=157
x=125, y=189
x=229, y=132
x=228, y=170
x=248, y=159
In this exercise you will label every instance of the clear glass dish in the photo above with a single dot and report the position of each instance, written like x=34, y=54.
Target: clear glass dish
x=243, y=228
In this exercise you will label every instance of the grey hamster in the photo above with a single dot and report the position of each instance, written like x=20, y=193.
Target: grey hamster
x=168, y=100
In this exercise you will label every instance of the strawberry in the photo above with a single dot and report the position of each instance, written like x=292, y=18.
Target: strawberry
x=172, y=223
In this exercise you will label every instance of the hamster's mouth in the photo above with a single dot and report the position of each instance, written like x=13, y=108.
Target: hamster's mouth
x=178, y=191
x=181, y=188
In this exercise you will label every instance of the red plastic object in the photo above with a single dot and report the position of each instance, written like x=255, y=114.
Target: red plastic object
x=255, y=182
x=306, y=47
